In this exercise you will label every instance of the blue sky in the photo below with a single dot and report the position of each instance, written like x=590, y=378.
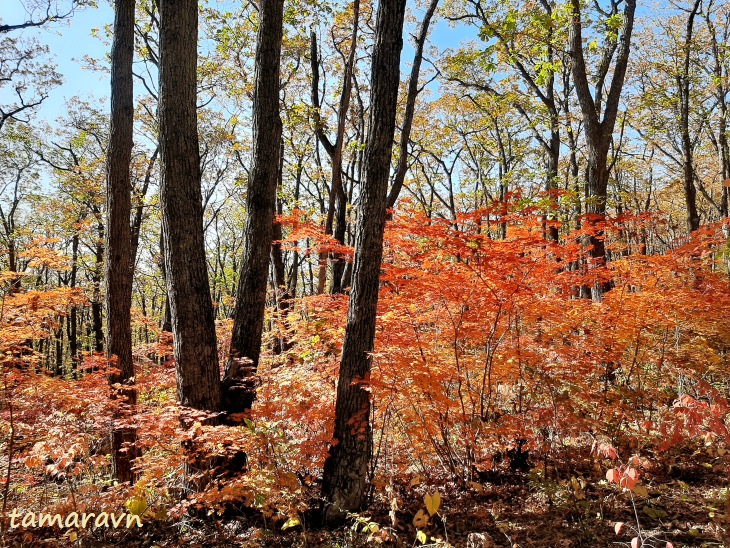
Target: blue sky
x=70, y=41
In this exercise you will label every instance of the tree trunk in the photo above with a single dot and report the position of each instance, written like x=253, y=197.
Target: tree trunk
x=599, y=131
x=119, y=207
x=193, y=324
x=248, y=319
x=96, y=304
x=413, y=91
x=721, y=81
x=166, y=324
x=119, y=269
x=337, y=198
x=688, y=171
x=281, y=290
x=338, y=263
x=139, y=210
x=73, y=342
x=58, y=368
x=553, y=160
x=344, y=485
x=13, y=266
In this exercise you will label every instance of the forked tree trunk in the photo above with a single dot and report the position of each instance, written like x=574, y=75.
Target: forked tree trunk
x=337, y=198
x=344, y=485
x=688, y=170
x=191, y=307
x=599, y=131
x=413, y=90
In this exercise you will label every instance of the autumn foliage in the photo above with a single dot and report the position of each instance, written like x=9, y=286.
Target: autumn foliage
x=485, y=360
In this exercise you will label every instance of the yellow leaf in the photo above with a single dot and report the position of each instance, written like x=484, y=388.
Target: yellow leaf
x=291, y=522
x=136, y=506
x=432, y=503
x=421, y=536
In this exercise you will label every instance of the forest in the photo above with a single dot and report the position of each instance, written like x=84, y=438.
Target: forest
x=344, y=273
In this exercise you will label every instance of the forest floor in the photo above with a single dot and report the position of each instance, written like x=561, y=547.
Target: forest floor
x=686, y=505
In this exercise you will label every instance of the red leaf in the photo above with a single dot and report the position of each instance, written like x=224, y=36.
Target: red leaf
x=628, y=482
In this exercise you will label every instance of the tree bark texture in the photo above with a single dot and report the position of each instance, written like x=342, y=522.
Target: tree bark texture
x=248, y=319
x=118, y=273
x=191, y=307
x=118, y=246
x=346, y=468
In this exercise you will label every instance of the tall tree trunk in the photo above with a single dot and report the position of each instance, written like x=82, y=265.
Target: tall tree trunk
x=119, y=270
x=193, y=324
x=119, y=207
x=248, y=319
x=724, y=153
x=344, y=485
